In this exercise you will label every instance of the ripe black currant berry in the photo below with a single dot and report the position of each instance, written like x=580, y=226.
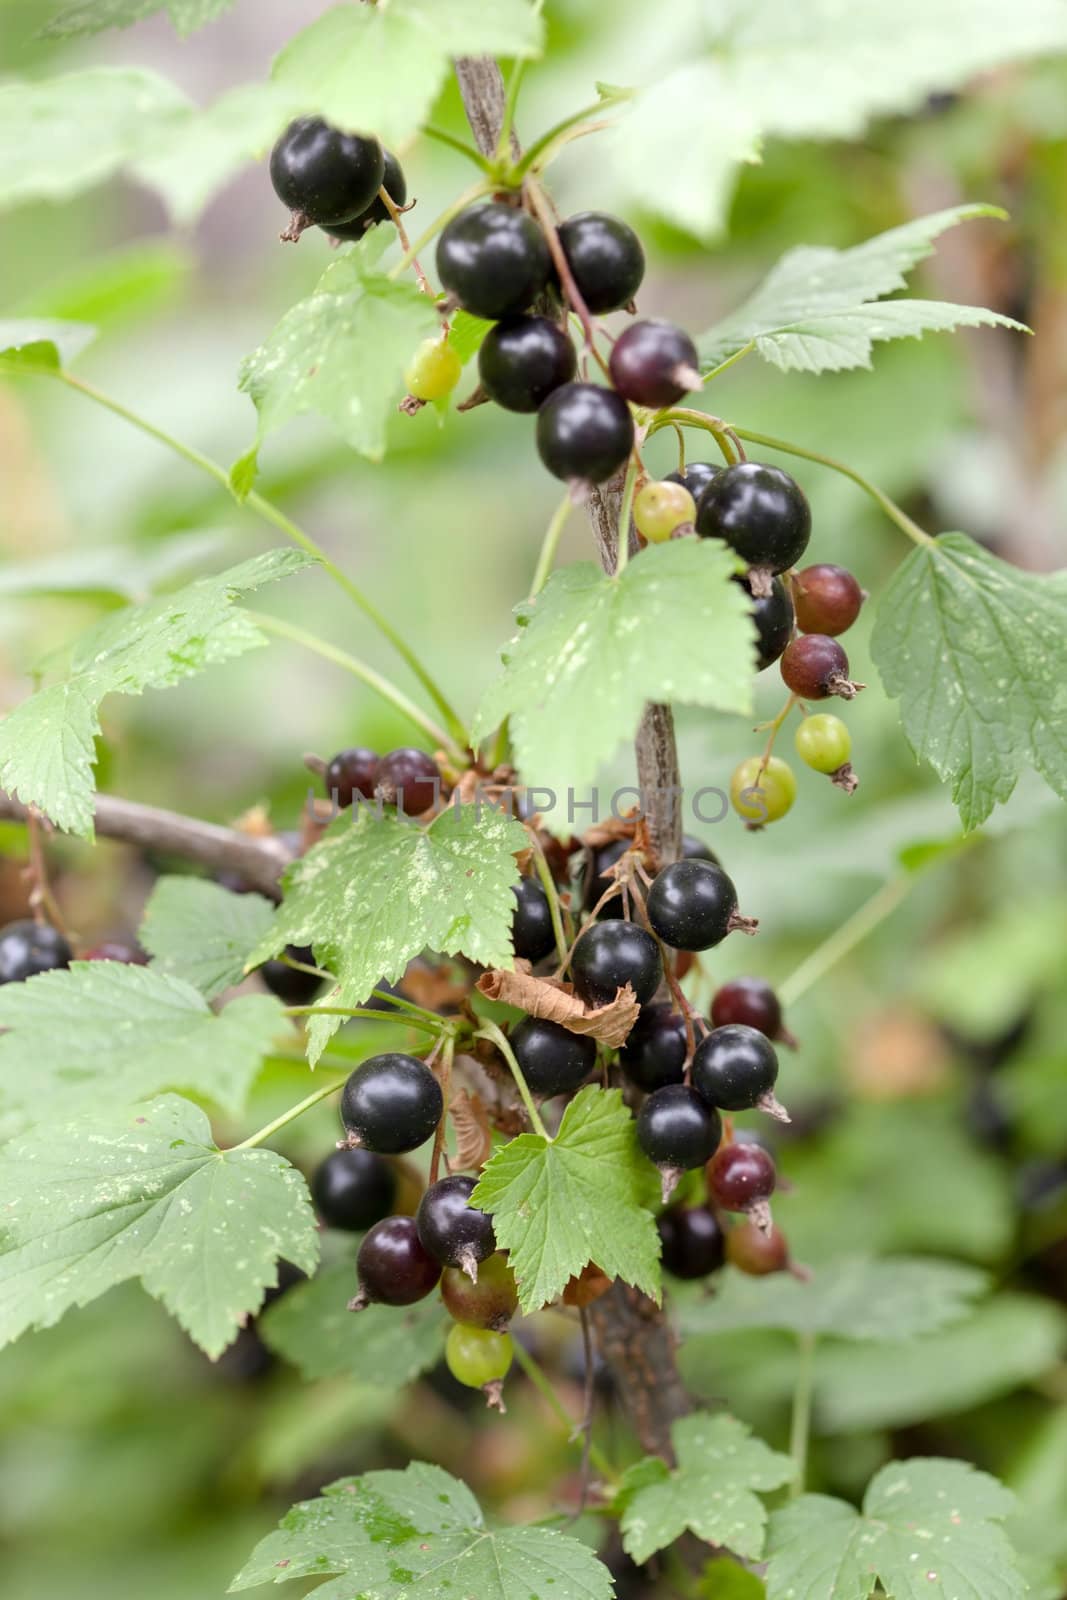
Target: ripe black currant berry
x=610, y=955
x=696, y=477
x=654, y=1053
x=735, y=1067
x=692, y=1241
x=28, y=948
x=293, y=987
x=532, y=933
x=678, y=1131
x=584, y=433
x=742, y=1178
x=351, y=772
x=392, y=1267
x=494, y=259
x=552, y=1058
x=605, y=258
x=409, y=779
x=391, y=1104
x=694, y=849
x=692, y=905
x=773, y=615
x=751, y=1250
x=760, y=512
x=523, y=360
x=395, y=185
x=491, y=1302
x=455, y=1233
x=654, y=363
x=815, y=666
x=750, y=1001
x=324, y=175
x=353, y=1189
x=828, y=599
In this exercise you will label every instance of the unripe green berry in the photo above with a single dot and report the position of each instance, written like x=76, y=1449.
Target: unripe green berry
x=823, y=742
x=434, y=370
x=477, y=1357
x=763, y=796
x=660, y=508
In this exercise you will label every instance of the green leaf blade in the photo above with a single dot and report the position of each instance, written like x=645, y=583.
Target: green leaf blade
x=41, y=344
x=312, y=1327
x=201, y=932
x=94, y=16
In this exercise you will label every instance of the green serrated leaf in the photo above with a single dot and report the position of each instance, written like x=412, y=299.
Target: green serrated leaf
x=466, y=334
x=379, y=69
x=929, y=1530
x=378, y=891
x=886, y=1299
x=200, y=932
x=976, y=652
x=341, y=353
x=592, y=649
x=93, y=16
x=111, y=573
x=104, y=1033
x=41, y=345
x=48, y=743
x=394, y=1534
x=312, y=1327
x=709, y=1493
x=585, y=1196
x=146, y=1194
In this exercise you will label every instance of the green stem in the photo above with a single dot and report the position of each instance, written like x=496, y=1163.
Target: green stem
x=550, y=544
x=543, y=1384
x=439, y=1026
x=548, y=884
x=844, y=939
x=291, y=1115
x=687, y=418
x=724, y=366
x=273, y=514
x=880, y=498
x=626, y=507
x=541, y=146
x=489, y=1030
x=444, y=137
x=359, y=669
x=800, y=1427
x=439, y=222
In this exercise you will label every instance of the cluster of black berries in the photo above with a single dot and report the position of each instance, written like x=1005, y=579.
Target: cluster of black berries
x=333, y=179
x=390, y=1106
x=406, y=778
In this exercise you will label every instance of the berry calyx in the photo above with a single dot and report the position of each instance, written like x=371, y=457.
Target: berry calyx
x=455, y=1233
x=553, y=1060
x=762, y=793
x=493, y=259
x=654, y=363
x=293, y=987
x=753, y=1002
x=692, y=1242
x=491, y=1302
x=395, y=185
x=610, y=955
x=433, y=371
x=324, y=175
x=815, y=666
x=661, y=508
x=695, y=476
x=523, y=360
x=392, y=1267
x=751, y=1250
x=480, y=1360
x=391, y=1104
x=678, y=1131
x=532, y=934
x=692, y=905
x=828, y=599
x=735, y=1068
x=605, y=258
x=655, y=1050
x=742, y=1178
x=353, y=1189
x=773, y=615
x=349, y=773
x=584, y=433
x=759, y=511
x=409, y=779
x=28, y=948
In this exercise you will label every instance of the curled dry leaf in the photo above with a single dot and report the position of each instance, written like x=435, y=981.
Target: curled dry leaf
x=474, y=1139
x=556, y=1002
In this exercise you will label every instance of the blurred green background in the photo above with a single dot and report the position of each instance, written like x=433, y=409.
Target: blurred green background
x=930, y=1093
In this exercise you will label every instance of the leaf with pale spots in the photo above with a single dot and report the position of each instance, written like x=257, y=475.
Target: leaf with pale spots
x=976, y=652
x=391, y=1535
x=146, y=1194
x=585, y=1196
x=378, y=891
x=929, y=1530
x=711, y=1492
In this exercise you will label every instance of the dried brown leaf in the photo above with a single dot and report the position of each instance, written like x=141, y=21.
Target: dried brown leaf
x=474, y=1138
x=557, y=1002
